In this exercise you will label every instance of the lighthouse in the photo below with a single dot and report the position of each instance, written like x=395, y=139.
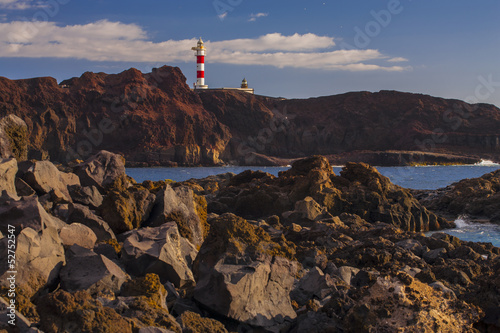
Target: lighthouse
x=200, y=65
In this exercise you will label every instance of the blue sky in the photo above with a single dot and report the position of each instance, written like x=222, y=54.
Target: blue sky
x=293, y=48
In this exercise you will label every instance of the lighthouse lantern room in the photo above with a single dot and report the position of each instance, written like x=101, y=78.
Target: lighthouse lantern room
x=200, y=65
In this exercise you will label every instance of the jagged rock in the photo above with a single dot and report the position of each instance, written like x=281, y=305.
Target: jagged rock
x=82, y=214
x=192, y=322
x=8, y=171
x=315, y=322
x=79, y=234
x=39, y=257
x=13, y=138
x=238, y=278
x=26, y=212
x=78, y=312
x=445, y=290
x=88, y=195
x=101, y=170
x=44, y=178
x=433, y=255
x=412, y=245
x=157, y=250
x=314, y=284
x=127, y=210
x=306, y=210
x=476, y=198
x=187, y=209
x=86, y=270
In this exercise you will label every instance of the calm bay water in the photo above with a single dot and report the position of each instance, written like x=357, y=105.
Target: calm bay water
x=431, y=177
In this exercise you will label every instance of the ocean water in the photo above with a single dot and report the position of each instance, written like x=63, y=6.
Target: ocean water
x=421, y=178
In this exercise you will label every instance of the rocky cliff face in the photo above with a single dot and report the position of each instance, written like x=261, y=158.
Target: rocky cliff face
x=155, y=119
x=363, y=124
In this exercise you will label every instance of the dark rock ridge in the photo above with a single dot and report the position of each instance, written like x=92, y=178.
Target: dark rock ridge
x=155, y=119
x=308, y=251
x=478, y=198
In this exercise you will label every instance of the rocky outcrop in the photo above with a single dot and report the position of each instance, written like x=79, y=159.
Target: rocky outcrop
x=478, y=198
x=310, y=191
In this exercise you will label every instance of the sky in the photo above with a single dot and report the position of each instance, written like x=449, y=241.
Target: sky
x=291, y=49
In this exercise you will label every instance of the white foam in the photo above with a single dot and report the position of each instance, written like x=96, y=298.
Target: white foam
x=487, y=163
x=461, y=222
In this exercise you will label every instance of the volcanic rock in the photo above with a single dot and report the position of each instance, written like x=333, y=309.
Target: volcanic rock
x=8, y=170
x=157, y=250
x=101, y=170
x=13, y=138
x=86, y=270
x=187, y=209
x=87, y=195
x=45, y=178
x=82, y=214
x=79, y=234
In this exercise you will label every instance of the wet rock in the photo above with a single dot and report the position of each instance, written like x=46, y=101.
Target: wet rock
x=82, y=214
x=101, y=170
x=79, y=234
x=88, y=195
x=86, y=270
x=157, y=250
x=13, y=138
x=187, y=209
x=62, y=311
x=8, y=171
x=26, y=212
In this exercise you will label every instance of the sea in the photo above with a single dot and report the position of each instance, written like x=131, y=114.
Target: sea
x=417, y=177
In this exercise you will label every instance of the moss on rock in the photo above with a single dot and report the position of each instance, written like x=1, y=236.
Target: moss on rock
x=192, y=322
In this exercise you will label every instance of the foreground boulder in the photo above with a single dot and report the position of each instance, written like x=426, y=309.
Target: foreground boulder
x=127, y=209
x=79, y=234
x=26, y=212
x=158, y=250
x=238, y=277
x=45, y=178
x=86, y=270
x=82, y=214
x=39, y=257
x=187, y=209
x=101, y=170
x=8, y=170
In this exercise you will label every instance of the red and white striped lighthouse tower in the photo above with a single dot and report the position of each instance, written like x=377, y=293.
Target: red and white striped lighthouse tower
x=200, y=65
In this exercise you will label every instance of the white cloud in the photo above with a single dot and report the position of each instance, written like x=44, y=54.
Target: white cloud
x=20, y=4
x=254, y=17
x=397, y=59
x=115, y=41
x=223, y=16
